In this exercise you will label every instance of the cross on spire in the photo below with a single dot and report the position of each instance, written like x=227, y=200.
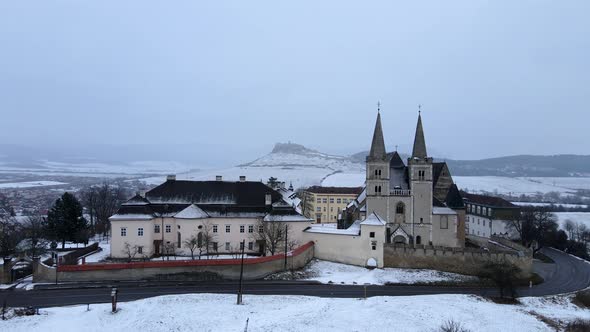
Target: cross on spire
x=419, y=108
x=378, y=107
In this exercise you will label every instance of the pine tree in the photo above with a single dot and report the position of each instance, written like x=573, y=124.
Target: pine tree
x=65, y=221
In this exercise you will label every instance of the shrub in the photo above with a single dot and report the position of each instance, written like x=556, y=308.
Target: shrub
x=579, y=325
x=582, y=299
x=452, y=326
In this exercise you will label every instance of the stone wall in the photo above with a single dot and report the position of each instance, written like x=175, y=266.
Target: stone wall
x=458, y=260
x=227, y=269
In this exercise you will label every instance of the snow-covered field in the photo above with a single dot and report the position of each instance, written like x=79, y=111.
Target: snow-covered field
x=549, y=204
x=299, y=176
x=521, y=185
x=212, y=312
x=328, y=272
x=30, y=184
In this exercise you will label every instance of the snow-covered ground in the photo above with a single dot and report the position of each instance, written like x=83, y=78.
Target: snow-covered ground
x=30, y=184
x=101, y=255
x=298, y=176
x=213, y=312
x=345, y=180
x=579, y=217
x=328, y=272
x=521, y=185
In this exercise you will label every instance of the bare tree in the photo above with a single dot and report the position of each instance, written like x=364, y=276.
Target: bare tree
x=34, y=243
x=130, y=251
x=192, y=243
x=10, y=236
x=569, y=227
x=207, y=237
x=102, y=202
x=272, y=235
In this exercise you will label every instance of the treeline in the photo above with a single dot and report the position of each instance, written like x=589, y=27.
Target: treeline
x=69, y=219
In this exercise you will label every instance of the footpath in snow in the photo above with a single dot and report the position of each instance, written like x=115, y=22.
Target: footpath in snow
x=215, y=312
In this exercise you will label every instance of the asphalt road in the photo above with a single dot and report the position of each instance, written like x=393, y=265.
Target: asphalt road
x=566, y=275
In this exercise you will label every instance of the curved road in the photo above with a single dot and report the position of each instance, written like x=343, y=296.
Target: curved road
x=568, y=274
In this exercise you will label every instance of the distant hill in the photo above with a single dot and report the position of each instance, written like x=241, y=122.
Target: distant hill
x=291, y=154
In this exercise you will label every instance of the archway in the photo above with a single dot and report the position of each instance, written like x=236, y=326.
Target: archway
x=398, y=239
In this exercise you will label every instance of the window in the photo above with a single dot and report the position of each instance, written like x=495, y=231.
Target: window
x=485, y=211
x=140, y=231
x=338, y=200
x=227, y=247
x=242, y=245
x=467, y=218
x=242, y=228
x=140, y=250
x=325, y=200
x=373, y=245
x=421, y=175
x=324, y=209
x=331, y=200
x=479, y=210
x=178, y=240
x=318, y=217
x=421, y=220
x=250, y=228
x=418, y=239
x=319, y=200
x=489, y=212
x=318, y=209
x=227, y=228
x=214, y=246
x=156, y=229
x=332, y=209
x=484, y=223
x=478, y=221
x=399, y=208
x=214, y=228
x=444, y=222
x=372, y=234
x=261, y=229
x=250, y=245
x=123, y=231
x=168, y=228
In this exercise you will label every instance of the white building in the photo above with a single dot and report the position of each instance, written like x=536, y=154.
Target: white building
x=229, y=211
x=488, y=215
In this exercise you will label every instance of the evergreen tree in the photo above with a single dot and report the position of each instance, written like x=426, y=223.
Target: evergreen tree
x=65, y=221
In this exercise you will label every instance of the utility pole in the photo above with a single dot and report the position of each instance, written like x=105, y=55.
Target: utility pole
x=286, y=249
x=241, y=274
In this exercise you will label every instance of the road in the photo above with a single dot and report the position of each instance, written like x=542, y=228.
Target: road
x=566, y=275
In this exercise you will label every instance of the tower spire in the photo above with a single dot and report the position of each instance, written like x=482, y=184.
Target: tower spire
x=419, y=150
x=378, y=144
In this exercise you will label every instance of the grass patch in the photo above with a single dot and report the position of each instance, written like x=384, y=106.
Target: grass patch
x=544, y=258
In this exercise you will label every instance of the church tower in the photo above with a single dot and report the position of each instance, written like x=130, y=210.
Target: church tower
x=377, y=164
x=420, y=174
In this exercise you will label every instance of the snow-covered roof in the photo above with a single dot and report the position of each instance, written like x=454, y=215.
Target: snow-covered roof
x=362, y=196
x=191, y=212
x=353, y=230
x=287, y=218
x=442, y=210
x=131, y=217
x=373, y=220
x=364, y=208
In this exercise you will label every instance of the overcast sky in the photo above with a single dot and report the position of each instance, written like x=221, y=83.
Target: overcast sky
x=232, y=78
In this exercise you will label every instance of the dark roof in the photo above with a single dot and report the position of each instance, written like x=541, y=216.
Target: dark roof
x=335, y=190
x=436, y=202
x=437, y=169
x=487, y=200
x=377, y=151
x=395, y=160
x=212, y=193
x=419, y=149
x=454, y=199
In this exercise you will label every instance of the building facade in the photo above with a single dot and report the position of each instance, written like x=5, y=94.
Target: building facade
x=325, y=204
x=488, y=215
x=225, y=214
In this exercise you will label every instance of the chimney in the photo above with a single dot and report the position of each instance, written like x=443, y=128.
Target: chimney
x=268, y=199
x=171, y=177
x=218, y=178
x=242, y=178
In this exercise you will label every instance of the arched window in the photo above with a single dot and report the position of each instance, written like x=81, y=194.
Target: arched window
x=400, y=208
x=379, y=189
x=376, y=189
x=418, y=239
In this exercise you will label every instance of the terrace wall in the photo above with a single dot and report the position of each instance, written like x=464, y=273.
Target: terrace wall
x=215, y=269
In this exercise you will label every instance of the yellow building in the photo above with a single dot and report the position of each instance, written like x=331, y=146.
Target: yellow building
x=324, y=204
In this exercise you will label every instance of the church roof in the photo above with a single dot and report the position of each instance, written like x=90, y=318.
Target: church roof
x=377, y=151
x=454, y=199
x=488, y=200
x=419, y=150
x=373, y=220
x=437, y=169
x=395, y=160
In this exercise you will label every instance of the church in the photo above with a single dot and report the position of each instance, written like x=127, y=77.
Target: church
x=414, y=204
x=418, y=201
